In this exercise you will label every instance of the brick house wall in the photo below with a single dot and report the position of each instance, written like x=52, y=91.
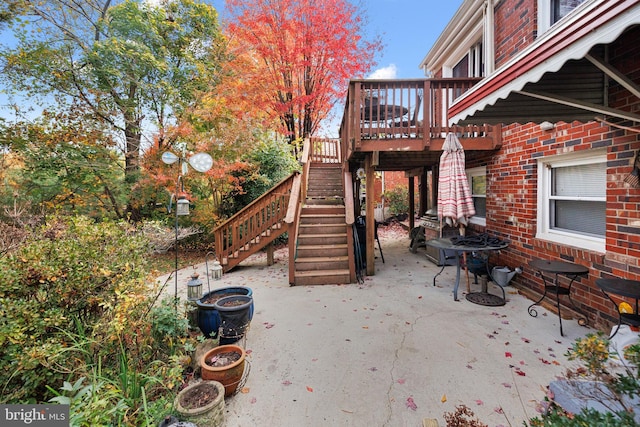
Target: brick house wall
x=515, y=23
x=512, y=176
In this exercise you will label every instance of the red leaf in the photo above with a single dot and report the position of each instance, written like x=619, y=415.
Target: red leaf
x=507, y=354
x=309, y=389
x=411, y=404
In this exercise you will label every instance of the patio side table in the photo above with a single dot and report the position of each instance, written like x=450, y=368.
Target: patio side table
x=558, y=268
x=623, y=288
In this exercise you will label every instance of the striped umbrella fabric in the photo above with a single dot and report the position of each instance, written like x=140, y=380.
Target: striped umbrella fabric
x=455, y=204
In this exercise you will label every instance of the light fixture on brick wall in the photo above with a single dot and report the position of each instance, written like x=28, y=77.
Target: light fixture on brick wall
x=547, y=126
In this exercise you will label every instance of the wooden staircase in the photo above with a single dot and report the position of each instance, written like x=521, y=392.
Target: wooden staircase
x=254, y=227
x=316, y=211
x=322, y=250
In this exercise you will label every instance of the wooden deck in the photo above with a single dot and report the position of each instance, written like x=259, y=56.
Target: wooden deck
x=405, y=122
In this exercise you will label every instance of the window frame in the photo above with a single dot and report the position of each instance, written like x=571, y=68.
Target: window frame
x=472, y=172
x=545, y=166
x=546, y=14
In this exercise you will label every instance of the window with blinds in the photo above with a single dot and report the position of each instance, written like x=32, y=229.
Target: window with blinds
x=572, y=192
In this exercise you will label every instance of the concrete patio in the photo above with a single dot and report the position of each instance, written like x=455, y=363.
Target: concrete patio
x=390, y=352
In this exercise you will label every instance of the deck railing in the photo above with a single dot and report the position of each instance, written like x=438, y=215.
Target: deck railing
x=403, y=110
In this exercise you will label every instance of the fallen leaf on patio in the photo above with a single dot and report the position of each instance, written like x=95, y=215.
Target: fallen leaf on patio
x=347, y=412
x=401, y=381
x=498, y=410
x=507, y=385
x=420, y=297
x=559, y=342
x=253, y=400
x=269, y=325
x=555, y=362
x=245, y=390
x=315, y=359
x=469, y=367
x=286, y=382
x=507, y=354
x=491, y=336
x=536, y=351
x=479, y=402
x=365, y=327
x=521, y=373
x=505, y=322
x=443, y=398
x=310, y=389
x=522, y=362
x=373, y=369
x=407, y=323
x=248, y=351
x=507, y=343
x=546, y=362
x=411, y=404
x=527, y=340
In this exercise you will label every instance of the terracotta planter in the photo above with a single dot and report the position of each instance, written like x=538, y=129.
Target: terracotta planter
x=230, y=375
x=211, y=413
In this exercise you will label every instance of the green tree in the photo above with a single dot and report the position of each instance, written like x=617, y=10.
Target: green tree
x=64, y=163
x=130, y=65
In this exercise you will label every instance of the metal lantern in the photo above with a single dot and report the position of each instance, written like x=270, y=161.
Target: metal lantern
x=182, y=206
x=216, y=270
x=194, y=288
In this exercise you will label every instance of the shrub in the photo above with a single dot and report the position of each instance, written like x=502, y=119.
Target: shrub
x=621, y=381
x=398, y=198
x=69, y=296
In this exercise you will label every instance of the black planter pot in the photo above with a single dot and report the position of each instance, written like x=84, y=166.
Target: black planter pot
x=208, y=316
x=235, y=316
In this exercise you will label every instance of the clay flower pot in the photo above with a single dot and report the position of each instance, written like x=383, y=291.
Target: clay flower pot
x=202, y=403
x=224, y=364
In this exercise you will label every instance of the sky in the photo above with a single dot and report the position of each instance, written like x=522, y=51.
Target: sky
x=408, y=29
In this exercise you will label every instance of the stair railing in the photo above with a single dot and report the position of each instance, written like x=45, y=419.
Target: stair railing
x=257, y=224
x=298, y=196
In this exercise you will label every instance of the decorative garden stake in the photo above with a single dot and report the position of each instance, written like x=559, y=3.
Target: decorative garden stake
x=201, y=162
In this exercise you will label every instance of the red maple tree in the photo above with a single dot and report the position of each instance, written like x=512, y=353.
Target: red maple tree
x=302, y=55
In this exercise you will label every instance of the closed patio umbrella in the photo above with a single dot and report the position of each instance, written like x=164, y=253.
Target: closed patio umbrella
x=455, y=204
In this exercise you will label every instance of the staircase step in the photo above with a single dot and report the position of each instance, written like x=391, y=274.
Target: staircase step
x=322, y=263
x=322, y=228
x=324, y=201
x=313, y=208
x=324, y=277
x=320, y=218
x=318, y=239
x=338, y=249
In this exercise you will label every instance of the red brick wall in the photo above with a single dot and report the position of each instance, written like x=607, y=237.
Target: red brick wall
x=512, y=191
x=516, y=21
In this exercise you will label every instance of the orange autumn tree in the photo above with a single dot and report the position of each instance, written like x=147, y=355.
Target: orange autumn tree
x=304, y=53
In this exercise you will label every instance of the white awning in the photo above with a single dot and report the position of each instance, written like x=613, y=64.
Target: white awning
x=561, y=76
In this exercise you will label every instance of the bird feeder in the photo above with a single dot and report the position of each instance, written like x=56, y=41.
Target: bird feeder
x=182, y=206
x=216, y=270
x=194, y=288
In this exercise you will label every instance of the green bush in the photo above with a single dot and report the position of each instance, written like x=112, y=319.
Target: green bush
x=398, y=199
